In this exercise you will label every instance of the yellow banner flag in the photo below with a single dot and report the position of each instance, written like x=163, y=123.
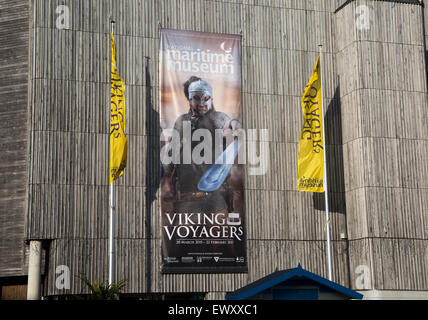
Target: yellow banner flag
x=118, y=141
x=310, y=172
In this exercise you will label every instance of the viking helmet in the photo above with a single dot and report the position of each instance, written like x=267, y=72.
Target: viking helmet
x=200, y=93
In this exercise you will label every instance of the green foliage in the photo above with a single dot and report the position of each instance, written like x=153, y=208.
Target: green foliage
x=101, y=290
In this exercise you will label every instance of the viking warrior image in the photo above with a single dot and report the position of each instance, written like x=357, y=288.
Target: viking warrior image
x=183, y=179
x=180, y=192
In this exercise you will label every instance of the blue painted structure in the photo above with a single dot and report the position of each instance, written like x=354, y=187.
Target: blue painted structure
x=293, y=284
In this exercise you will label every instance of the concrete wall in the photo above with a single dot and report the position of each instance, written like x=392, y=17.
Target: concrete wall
x=384, y=119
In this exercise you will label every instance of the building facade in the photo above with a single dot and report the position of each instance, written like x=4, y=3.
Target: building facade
x=54, y=186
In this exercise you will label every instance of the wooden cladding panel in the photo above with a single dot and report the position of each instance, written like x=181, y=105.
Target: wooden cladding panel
x=406, y=23
x=389, y=264
x=68, y=196
x=89, y=257
x=14, y=37
x=383, y=107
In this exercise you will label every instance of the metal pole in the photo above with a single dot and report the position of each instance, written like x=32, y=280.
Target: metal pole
x=327, y=213
x=111, y=236
x=112, y=211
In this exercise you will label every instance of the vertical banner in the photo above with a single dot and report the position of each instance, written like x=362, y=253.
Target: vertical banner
x=118, y=140
x=202, y=196
x=310, y=162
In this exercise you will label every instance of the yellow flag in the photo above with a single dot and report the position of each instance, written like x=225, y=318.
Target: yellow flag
x=310, y=172
x=118, y=141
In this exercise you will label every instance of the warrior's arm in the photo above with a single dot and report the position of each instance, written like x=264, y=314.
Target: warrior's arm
x=168, y=169
x=232, y=127
x=233, y=124
x=223, y=121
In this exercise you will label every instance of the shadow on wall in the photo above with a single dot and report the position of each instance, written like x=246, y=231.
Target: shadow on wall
x=426, y=64
x=335, y=166
x=423, y=8
x=152, y=171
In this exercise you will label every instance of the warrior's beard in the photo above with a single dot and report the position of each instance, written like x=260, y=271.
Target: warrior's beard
x=198, y=113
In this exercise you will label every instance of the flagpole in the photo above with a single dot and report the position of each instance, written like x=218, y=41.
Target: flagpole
x=112, y=210
x=111, y=236
x=327, y=213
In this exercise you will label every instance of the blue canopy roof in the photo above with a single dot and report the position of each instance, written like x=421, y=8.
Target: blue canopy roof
x=279, y=277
